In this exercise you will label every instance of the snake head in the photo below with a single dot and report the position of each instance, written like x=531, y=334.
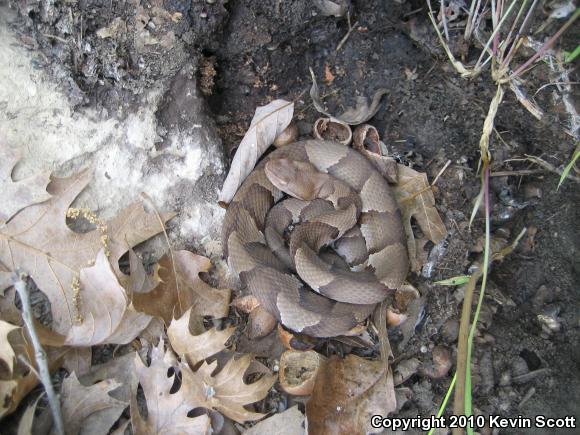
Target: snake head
x=298, y=179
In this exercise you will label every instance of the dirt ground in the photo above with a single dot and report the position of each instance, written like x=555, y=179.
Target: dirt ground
x=250, y=52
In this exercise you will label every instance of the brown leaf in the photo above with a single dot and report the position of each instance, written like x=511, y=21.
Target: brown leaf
x=227, y=391
x=25, y=423
x=16, y=195
x=182, y=288
x=167, y=412
x=104, y=310
x=195, y=348
x=120, y=369
x=139, y=281
x=39, y=241
x=24, y=380
x=7, y=354
x=291, y=422
x=79, y=403
x=78, y=360
x=347, y=393
x=268, y=122
x=359, y=114
x=415, y=197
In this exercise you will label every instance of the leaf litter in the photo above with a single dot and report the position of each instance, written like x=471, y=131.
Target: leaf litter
x=196, y=367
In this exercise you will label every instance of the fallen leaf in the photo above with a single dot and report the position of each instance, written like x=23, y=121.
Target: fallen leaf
x=121, y=369
x=182, y=288
x=78, y=360
x=268, y=122
x=292, y=420
x=25, y=423
x=79, y=403
x=7, y=354
x=139, y=281
x=38, y=241
x=167, y=411
x=105, y=313
x=195, y=348
x=328, y=8
x=362, y=112
x=16, y=195
x=8, y=399
x=415, y=197
x=12, y=391
x=227, y=391
x=347, y=393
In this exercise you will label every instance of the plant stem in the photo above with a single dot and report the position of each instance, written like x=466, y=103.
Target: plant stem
x=547, y=45
x=39, y=353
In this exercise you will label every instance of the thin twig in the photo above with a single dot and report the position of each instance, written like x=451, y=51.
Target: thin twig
x=548, y=166
x=39, y=353
x=441, y=172
x=547, y=45
x=517, y=173
x=444, y=19
x=344, y=39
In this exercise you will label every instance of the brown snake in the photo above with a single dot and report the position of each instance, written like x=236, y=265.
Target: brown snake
x=340, y=201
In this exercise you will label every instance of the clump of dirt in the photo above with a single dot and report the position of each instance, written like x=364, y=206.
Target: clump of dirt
x=107, y=53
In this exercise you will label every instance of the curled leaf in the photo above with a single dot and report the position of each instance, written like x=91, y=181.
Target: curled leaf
x=268, y=122
x=362, y=112
x=336, y=8
x=415, y=197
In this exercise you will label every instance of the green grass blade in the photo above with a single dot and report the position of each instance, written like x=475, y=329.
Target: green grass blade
x=456, y=280
x=445, y=400
x=570, y=56
x=570, y=165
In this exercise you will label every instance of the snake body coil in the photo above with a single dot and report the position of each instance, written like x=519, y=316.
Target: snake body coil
x=295, y=275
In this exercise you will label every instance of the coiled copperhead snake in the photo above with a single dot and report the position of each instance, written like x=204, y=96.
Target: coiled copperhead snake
x=321, y=260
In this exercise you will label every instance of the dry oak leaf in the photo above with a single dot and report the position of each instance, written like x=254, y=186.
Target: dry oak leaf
x=107, y=315
x=25, y=423
x=359, y=114
x=181, y=288
x=291, y=422
x=268, y=122
x=227, y=392
x=90, y=408
x=415, y=197
x=7, y=353
x=347, y=393
x=195, y=348
x=38, y=241
x=12, y=391
x=16, y=195
x=166, y=411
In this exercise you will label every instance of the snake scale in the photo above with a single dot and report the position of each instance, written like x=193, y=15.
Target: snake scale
x=315, y=233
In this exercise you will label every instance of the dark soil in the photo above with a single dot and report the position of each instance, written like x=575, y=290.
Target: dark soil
x=250, y=52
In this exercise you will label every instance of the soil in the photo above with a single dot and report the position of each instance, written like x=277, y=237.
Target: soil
x=250, y=52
